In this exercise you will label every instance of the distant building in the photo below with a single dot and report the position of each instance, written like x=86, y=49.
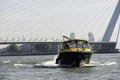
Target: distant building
x=91, y=37
x=72, y=36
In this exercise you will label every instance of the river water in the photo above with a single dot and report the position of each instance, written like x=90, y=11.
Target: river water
x=101, y=67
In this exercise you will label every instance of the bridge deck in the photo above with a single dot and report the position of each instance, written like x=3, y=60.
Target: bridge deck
x=28, y=42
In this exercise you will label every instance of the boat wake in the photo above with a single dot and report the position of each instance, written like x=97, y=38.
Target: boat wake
x=22, y=65
x=51, y=64
x=95, y=64
x=47, y=64
x=6, y=62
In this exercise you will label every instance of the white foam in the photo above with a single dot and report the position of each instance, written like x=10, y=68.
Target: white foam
x=108, y=63
x=6, y=62
x=37, y=64
x=22, y=65
x=95, y=63
x=49, y=63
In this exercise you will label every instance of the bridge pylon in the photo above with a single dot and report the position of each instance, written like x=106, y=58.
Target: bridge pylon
x=112, y=23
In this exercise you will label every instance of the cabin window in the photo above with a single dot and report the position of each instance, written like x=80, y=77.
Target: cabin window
x=70, y=45
x=85, y=45
x=82, y=45
x=79, y=44
x=74, y=44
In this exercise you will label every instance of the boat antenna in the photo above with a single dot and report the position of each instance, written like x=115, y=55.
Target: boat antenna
x=66, y=37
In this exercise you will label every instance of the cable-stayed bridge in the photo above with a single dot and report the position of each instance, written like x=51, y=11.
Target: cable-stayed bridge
x=99, y=45
x=27, y=41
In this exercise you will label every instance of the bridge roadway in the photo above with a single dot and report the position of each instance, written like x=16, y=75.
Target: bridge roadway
x=29, y=42
x=104, y=47
x=98, y=47
x=26, y=42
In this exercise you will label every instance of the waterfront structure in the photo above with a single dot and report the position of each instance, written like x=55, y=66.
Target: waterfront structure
x=72, y=36
x=91, y=37
x=118, y=40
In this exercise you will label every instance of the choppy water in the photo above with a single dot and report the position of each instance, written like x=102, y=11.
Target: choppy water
x=101, y=67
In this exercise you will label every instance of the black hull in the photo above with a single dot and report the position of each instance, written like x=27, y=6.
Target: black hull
x=73, y=59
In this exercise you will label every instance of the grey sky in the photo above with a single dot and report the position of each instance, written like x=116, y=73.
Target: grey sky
x=54, y=18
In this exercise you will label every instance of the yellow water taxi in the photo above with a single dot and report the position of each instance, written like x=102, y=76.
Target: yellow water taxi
x=74, y=52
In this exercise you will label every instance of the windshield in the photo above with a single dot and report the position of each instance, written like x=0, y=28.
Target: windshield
x=76, y=44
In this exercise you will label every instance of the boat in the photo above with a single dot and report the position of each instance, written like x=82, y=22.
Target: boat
x=74, y=52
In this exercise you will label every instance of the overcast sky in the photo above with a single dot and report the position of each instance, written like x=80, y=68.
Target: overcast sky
x=55, y=18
